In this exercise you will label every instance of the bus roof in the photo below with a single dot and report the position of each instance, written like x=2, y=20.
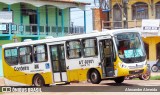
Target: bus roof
x=72, y=37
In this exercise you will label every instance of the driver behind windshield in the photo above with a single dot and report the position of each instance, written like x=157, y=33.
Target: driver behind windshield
x=123, y=46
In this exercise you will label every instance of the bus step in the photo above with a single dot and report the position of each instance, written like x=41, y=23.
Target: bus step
x=61, y=83
x=104, y=75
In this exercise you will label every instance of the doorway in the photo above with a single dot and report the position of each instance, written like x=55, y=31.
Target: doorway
x=58, y=63
x=33, y=23
x=107, y=57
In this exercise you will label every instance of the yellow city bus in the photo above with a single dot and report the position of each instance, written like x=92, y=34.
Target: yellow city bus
x=112, y=54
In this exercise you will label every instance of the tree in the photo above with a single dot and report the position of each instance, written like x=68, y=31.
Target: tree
x=103, y=4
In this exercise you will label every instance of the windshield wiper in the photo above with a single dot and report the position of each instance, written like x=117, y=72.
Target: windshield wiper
x=130, y=59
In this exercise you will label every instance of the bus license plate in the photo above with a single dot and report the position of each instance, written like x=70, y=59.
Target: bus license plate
x=137, y=71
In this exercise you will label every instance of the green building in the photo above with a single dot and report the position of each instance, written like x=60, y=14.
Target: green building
x=34, y=19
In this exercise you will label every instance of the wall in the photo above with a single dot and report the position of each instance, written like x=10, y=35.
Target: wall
x=152, y=41
x=1, y=70
x=98, y=17
x=16, y=13
x=151, y=12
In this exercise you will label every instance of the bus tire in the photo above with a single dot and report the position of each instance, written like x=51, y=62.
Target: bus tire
x=140, y=77
x=144, y=77
x=119, y=79
x=38, y=80
x=95, y=77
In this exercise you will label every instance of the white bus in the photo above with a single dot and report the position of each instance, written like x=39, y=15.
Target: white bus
x=113, y=54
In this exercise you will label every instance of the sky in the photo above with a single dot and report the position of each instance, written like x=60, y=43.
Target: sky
x=77, y=16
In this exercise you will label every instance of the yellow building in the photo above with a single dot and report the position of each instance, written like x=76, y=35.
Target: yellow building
x=129, y=14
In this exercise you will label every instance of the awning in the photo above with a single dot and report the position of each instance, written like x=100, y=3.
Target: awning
x=70, y=1
x=62, y=4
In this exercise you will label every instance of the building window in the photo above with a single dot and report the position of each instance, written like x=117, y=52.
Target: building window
x=11, y=56
x=158, y=10
x=90, y=47
x=117, y=17
x=25, y=55
x=74, y=49
x=139, y=11
x=40, y=53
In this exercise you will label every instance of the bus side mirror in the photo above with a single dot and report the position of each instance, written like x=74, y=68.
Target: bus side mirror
x=67, y=67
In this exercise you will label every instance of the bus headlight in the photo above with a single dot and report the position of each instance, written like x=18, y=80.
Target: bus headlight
x=123, y=65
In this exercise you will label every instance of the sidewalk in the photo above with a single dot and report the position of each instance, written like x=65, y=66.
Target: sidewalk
x=1, y=81
x=155, y=73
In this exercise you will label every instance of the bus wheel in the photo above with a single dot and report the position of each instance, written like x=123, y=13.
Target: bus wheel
x=38, y=80
x=95, y=77
x=119, y=79
x=144, y=77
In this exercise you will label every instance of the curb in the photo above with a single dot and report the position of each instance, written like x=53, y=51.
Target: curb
x=155, y=74
x=2, y=81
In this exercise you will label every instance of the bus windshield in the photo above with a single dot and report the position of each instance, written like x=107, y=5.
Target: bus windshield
x=130, y=47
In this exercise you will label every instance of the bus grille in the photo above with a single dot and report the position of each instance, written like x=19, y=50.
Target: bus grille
x=136, y=72
x=135, y=67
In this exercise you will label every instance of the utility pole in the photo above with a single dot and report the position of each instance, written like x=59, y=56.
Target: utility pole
x=125, y=13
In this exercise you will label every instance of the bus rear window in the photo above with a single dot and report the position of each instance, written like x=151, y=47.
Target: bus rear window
x=11, y=56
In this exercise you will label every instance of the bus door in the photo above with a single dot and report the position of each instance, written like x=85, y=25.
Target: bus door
x=58, y=63
x=106, y=53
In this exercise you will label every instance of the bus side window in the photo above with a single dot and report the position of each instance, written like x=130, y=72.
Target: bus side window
x=25, y=55
x=11, y=56
x=40, y=53
x=73, y=49
x=90, y=47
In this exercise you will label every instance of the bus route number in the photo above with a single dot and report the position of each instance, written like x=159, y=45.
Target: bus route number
x=83, y=63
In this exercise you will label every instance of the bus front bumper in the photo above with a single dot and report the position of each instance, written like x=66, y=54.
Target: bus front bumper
x=128, y=72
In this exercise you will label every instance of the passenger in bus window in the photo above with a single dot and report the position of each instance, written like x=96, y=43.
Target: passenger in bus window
x=122, y=47
x=107, y=51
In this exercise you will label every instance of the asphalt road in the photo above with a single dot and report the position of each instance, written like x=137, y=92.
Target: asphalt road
x=106, y=87
x=125, y=83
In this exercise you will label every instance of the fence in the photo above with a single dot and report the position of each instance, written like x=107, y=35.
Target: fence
x=120, y=24
x=33, y=29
